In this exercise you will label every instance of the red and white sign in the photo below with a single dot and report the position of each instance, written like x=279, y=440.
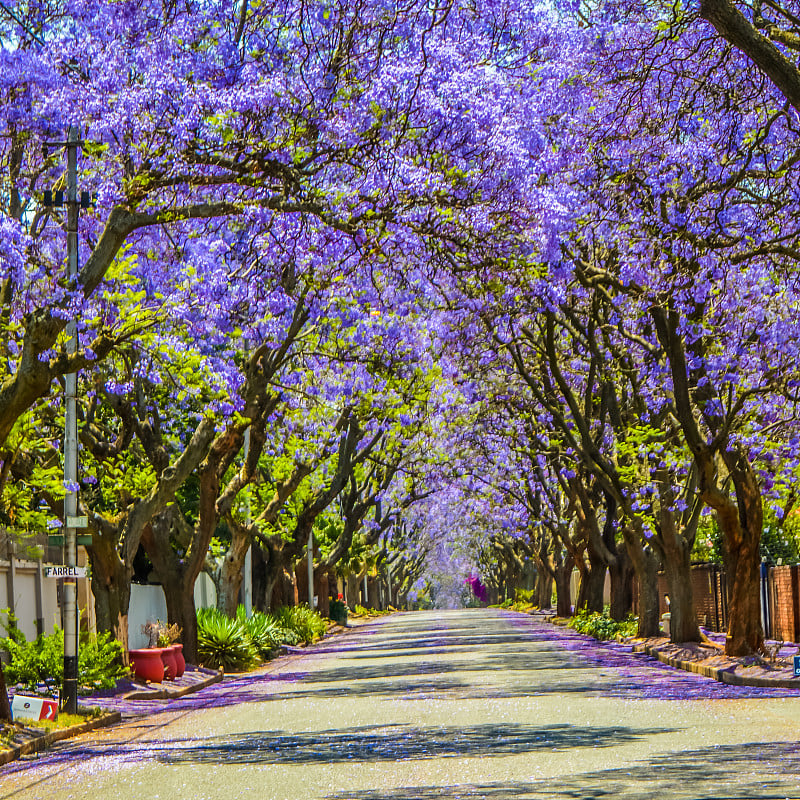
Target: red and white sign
x=33, y=708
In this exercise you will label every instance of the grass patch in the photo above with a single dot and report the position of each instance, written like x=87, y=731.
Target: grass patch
x=9, y=731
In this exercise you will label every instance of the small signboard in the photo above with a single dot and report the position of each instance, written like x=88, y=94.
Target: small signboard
x=23, y=707
x=797, y=666
x=77, y=522
x=65, y=572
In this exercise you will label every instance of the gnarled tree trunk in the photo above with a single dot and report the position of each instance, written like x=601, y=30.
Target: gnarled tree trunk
x=111, y=587
x=646, y=565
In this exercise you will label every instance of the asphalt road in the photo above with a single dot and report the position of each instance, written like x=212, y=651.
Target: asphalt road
x=457, y=704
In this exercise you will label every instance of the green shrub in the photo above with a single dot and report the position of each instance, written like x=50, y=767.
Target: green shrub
x=224, y=642
x=304, y=621
x=338, y=611
x=288, y=636
x=42, y=660
x=100, y=661
x=264, y=632
x=524, y=596
x=601, y=626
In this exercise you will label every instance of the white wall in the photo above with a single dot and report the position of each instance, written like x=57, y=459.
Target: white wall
x=24, y=601
x=148, y=604
x=205, y=593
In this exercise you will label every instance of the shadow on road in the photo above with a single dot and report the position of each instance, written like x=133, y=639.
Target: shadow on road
x=393, y=743
x=762, y=770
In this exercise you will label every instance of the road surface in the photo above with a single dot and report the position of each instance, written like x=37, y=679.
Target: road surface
x=447, y=704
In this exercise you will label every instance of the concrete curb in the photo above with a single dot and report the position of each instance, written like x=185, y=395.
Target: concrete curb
x=174, y=694
x=727, y=675
x=42, y=742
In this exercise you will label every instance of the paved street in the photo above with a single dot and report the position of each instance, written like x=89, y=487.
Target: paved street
x=458, y=704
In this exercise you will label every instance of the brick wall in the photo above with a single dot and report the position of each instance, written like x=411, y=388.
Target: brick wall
x=708, y=587
x=784, y=601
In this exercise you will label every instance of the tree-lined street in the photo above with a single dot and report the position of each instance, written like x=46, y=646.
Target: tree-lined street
x=459, y=704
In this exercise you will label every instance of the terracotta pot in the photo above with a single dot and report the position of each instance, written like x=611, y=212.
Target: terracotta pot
x=181, y=661
x=147, y=664
x=170, y=663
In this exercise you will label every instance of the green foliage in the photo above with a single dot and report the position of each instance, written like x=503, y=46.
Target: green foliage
x=524, y=595
x=304, y=621
x=224, y=642
x=42, y=660
x=264, y=632
x=19, y=506
x=100, y=661
x=601, y=626
x=237, y=644
x=780, y=540
x=338, y=611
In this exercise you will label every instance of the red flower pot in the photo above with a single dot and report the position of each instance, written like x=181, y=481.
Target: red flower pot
x=170, y=663
x=147, y=664
x=181, y=661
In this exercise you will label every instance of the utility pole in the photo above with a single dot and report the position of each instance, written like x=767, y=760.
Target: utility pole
x=71, y=441
x=247, y=582
x=74, y=202
x=246, y=592
x=310, y=550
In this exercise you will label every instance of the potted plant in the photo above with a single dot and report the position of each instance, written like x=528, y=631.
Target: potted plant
x=338, y=610
x=147, y=662
x=162, y=659
x=172, y=650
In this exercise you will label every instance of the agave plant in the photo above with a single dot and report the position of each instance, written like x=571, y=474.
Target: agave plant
x=224, y=642
x=264, y=631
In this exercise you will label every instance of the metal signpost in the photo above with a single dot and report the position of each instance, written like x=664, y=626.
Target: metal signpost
x=74, y=203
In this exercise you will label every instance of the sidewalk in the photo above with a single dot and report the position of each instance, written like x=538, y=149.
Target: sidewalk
x=709, y=660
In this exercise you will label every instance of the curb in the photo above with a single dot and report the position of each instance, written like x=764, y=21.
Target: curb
x=40, y=743
x=728, y=676
x=173, y=694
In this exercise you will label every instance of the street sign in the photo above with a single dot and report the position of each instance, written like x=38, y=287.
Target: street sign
x=33, y=708
x=797, y=666
x=57, y=539
x=77, y=522
x=65, y=572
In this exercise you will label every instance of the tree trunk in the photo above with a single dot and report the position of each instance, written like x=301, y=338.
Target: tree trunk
x=741, y=528
x=545, y=590
x=621, y=573
x=231, y=573
x=563, y=579
x=111, y=587
x=352, y=590
x=593, y=583
x=176, y=582
x=5, y=706
x=646, y=565
x=745, y=634
x=583, y=584
x=683, y=620
x=273, y=574
x=683, y=625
